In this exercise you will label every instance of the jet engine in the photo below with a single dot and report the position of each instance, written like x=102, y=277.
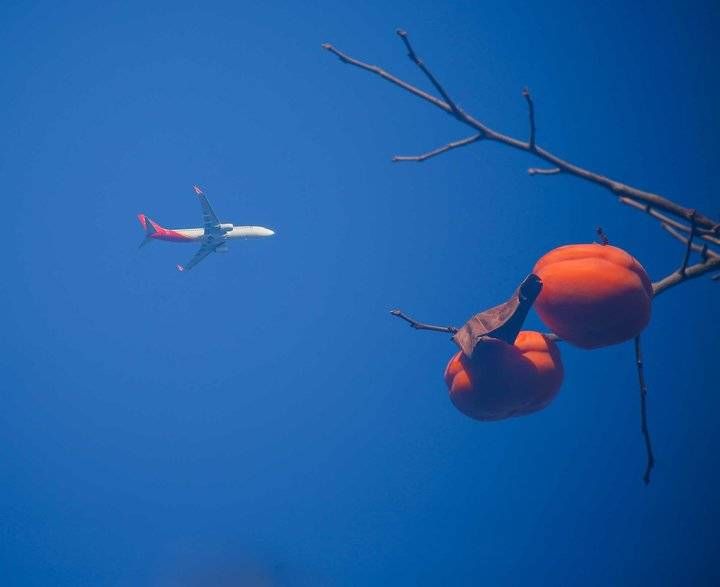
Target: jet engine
x=226, y=227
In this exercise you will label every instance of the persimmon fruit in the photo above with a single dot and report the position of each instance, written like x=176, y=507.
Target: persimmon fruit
x=593, y=295
x=504, y=380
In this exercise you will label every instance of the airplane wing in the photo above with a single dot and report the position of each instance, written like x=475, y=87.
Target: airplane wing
x=202, y=252
x=211, y=224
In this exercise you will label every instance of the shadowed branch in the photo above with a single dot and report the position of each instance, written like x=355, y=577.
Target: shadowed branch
x=643, y=411
x=531, y=116
x=688, y=248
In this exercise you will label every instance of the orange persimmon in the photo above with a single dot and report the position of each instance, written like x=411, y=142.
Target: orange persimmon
x=504, y=380
x=593, y=295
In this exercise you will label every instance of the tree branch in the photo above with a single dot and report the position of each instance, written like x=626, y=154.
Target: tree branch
x=643, y=411
x=448, y=106
x=710, y=261
x=386, y=76
x=703, y=250
x=439, y=150
x=433, y=80
x=664, y=219
x=422, y=326
x=688, y=248
x=531, y=116
x=692, y=272
x=544, y=171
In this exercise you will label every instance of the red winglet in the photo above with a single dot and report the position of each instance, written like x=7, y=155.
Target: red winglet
x=198, y=191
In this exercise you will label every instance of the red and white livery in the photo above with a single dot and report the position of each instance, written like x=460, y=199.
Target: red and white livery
x=213, y=236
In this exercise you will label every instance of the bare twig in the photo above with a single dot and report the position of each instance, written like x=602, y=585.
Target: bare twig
x=643, y=411
x=664, y=219
x=544, y=171
x=531, y=116
x=691, y=272
x=391, y=78
x=433, y=80
x=703, y=250
x=551, y=336
x=448, y=106
x=688, y=248
x=439, y=150
x=422, y=326
x=654, y=213
x=714, y=231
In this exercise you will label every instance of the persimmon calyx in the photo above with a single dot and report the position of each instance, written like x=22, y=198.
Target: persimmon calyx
x=503, y=322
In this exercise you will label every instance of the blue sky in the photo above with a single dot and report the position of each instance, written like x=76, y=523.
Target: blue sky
x=262, y=420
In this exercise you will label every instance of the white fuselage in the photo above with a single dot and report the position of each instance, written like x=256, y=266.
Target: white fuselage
x=196, y=234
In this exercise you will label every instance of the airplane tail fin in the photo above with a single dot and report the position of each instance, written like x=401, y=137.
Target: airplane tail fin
x=150, y=228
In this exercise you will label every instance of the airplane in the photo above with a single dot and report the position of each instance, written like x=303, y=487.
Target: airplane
x=213, y=236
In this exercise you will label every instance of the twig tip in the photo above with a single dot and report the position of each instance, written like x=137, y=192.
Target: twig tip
x=544, y=171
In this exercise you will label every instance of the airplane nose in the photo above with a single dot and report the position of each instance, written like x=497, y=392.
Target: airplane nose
x=268, y=232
